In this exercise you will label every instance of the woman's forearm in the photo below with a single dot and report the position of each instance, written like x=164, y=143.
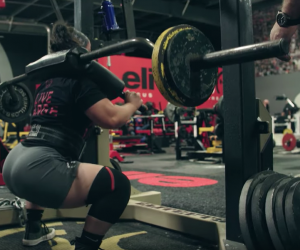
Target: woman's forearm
x=123, y=114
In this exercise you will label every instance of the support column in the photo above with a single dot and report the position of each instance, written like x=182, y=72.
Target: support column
x=84, y=17
x=129, y=18
x=241, y=140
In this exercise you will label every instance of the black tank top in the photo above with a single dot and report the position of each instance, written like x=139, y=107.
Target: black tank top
x=61, y=103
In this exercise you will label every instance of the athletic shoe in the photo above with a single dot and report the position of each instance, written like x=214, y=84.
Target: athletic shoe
x=34, y=238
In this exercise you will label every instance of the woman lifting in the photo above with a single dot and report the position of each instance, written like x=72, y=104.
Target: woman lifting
x=47, y=174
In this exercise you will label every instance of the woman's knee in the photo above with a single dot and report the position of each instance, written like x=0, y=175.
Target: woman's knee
x=109, y=181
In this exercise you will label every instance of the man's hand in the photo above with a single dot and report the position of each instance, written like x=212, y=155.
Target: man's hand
x=278, y=32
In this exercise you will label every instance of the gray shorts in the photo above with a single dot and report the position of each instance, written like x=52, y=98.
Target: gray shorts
x=39, y=174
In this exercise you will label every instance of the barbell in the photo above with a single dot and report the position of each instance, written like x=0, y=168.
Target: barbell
x=185, y=65
x=183, y=60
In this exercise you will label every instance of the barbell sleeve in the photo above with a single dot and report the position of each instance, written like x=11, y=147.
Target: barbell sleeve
x=15, y=80
x=10, y=87
x=136, y=43
x=242, y=54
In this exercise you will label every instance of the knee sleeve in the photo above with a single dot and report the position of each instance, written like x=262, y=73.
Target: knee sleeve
x=107, y=181
x=109, y=195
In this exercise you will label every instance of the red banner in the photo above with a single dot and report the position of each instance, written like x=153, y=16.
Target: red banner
x=137, y=76
x=2, y=4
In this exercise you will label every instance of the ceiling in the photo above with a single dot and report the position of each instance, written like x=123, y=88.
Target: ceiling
x=151, y=16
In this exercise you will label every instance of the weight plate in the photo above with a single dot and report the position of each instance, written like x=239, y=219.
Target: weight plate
x=289, y=142
x=292, y=213
x=258, y=208
x=171, y=69
x=10, y=112
x=270, y=213
x=245, y=216
x=287, y=131
x=170, y=112
x=195, y=87
x=159, y=72
x=219, y=107
x=280, y=213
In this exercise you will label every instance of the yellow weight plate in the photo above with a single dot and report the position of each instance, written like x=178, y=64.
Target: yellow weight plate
x=171, y=69
x=288, y=131
x=158, y=69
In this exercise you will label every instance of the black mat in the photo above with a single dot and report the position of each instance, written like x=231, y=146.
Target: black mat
x=195, y=199
x=204, y=199
x=129, y=236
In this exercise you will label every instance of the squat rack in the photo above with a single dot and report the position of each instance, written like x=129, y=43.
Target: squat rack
x=244, y=156
x=244, y=152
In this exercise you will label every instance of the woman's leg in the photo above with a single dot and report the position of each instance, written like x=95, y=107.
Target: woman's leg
x=108, y=190
x=36, y=232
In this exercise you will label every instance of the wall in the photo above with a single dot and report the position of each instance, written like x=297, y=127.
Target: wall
x=269, y=87
x=137, y=76
x=23, y=49
x=274, y=77
x=263, y=21
x=16, y=51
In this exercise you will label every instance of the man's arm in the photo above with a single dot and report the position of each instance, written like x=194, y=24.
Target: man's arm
x=292, y=8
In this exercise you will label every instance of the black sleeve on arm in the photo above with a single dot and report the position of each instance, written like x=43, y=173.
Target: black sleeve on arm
x=86, y=94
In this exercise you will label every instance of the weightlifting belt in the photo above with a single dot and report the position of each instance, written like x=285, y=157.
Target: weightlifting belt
x=66, y=139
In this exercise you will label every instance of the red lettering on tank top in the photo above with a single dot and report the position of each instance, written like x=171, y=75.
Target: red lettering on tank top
x=41, y=97
x=45, y=109
x=36, y=99
x=49, y=96
x=40, y=108
x=53, y=111
x=45, y=96
x=49, y=83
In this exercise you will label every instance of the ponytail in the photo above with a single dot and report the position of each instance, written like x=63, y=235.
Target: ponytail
x=65, y=37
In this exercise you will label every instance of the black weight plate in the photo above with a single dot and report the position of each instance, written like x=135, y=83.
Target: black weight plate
x=270, y=213
x=280, y=213
x=292, y=213
x=170, y=112
x=116, y=165
x=158, y=69
x=219, y=107
x=184, y=43
x=245, y=216
x=258, y=207
x=20, y=111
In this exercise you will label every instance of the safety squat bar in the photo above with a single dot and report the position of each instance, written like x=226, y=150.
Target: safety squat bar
x=136, y=43
x=215, y=59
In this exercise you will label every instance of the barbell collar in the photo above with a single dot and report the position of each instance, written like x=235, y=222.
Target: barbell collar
x=136, y=43
x=242, y=54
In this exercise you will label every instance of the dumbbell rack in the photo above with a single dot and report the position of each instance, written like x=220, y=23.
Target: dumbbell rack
x=153, y=147
x=288, y=124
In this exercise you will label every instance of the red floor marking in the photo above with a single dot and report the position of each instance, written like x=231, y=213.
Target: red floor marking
x=177, y=181
x=162, y=180
x=135, y=175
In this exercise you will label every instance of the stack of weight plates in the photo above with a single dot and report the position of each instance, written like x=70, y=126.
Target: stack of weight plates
x=269, y=212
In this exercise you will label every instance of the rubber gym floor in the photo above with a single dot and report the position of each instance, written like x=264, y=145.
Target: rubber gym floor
x=176, y=182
